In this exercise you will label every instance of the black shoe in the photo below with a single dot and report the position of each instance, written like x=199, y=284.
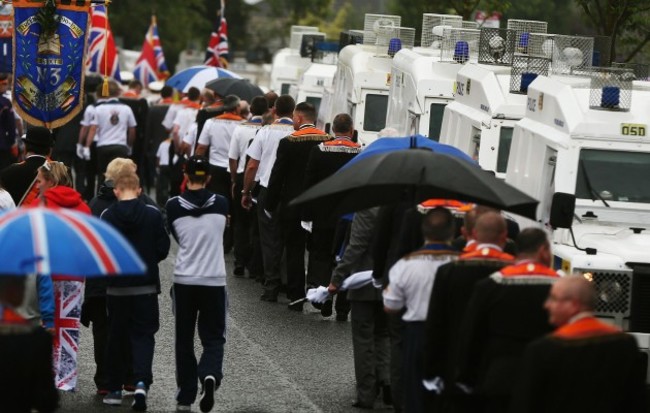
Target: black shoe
x=386, y=395
x=326, y=309
x=296, y=307
x=206, y=402
x=360, y=405
x=239, y=271
x=269, y=297
x=342, y=317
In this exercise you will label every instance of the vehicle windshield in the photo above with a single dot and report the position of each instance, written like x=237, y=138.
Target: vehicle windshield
x=613, y=175
x=314, y=100
x=374, y=117
x=437, y=111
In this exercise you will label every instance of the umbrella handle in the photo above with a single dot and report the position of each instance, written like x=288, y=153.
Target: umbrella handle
x=300, y=300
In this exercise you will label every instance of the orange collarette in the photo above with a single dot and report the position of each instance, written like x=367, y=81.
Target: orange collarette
x=528, y=268
x=585, y=327
x=230, y=116
x=308, y=131
x=486, y=253
x=342, y=142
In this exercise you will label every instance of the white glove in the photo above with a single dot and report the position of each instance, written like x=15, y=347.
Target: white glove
x=376, y=282
x=80, y=151
x=306, y=225
x=435, y=385
x=86, y=153
x=268, y=214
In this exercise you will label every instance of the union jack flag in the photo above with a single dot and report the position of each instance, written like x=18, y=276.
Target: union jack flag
x=151, y=65
x=68, y=297
x=218, y=45
x=98, y=56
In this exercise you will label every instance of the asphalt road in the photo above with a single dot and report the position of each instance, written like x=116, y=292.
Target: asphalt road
x=275, y=360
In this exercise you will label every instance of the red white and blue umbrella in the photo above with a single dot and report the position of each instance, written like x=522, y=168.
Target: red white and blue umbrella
x=59, y=241
x=198, y=76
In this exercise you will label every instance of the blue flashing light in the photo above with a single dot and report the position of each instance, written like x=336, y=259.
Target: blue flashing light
x=611, y=97
x=461, y=52
x=327, y=46
x=394, y=46
x=524, y=38
x=526, y=79
x=595, y=58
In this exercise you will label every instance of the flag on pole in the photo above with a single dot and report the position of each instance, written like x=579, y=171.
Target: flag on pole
x=68, y=297
x=98, y=56
x=217, y=51
x=151, y=66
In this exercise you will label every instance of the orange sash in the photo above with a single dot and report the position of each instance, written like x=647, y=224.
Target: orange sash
x=585, y=327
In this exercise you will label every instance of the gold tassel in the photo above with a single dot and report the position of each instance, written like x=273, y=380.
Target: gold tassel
x=105, y=87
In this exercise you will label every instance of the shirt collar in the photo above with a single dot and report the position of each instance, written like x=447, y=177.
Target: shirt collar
x=284, y=121
x=488, y=245
x=306, y=125
x=580, y=316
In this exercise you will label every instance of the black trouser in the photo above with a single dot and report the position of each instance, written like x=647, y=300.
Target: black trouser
x=162, y=185
x=370, y=347
x=396, y=329
x=272, y=244
x=220, y=184
x=132, y=320
x=93, y=311
x=105, y=154
x=241, y=223
x=208, y=304
x=412, y=373
x=255, y=263
x=91, y=173
x=321, y=257
x=294, y=245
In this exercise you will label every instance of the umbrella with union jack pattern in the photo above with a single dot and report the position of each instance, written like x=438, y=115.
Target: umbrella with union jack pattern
x=58, y=241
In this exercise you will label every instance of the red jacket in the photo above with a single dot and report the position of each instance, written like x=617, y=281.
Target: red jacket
x=63, y=197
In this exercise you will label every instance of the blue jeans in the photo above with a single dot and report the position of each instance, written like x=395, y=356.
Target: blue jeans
x=208, y=304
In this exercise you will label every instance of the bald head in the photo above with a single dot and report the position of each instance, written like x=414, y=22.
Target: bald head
x=491, y=228
x=469, y=222
x=568, y=297
x=438, y=225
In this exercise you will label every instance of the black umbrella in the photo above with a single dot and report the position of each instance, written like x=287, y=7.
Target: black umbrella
x=238, y=87
x=416, y=174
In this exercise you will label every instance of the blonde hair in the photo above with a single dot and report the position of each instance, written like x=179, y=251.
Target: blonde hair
x=56, y=172
x=119, y=165
x=126, y=180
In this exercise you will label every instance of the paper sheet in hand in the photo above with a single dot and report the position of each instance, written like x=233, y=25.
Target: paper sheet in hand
x=357, y=280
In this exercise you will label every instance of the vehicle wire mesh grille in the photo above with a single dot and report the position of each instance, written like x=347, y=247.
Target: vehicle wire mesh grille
x=497, y=46
x=524, y=70
x=614, y=293
x=611, y=89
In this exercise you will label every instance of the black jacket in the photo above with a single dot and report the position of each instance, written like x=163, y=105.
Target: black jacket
x=143, y=226
x=19, y=177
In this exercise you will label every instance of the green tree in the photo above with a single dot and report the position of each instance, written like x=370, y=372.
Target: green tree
x=332, y=24
x=627, y=22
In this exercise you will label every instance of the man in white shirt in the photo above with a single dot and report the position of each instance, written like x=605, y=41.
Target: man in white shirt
x=114, y=126
x=410, y=284
x=186, y=117
x=241, y=139
x=262, y=153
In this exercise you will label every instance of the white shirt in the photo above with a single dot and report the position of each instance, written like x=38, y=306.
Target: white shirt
x=217, y=133
x=184, y=119
x=163, y=152
x=190, y=137
x=241, y=138
x=113, y=119
x=265, y=147
x=410, y=284
x=168, y=121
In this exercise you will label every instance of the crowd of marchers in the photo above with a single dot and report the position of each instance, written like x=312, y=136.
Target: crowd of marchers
x=463, y=314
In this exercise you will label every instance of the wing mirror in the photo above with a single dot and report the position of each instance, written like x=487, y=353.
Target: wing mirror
x=563, y=208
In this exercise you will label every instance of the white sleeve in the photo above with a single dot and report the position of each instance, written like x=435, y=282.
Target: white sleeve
x=233, y=151
x=190, y=136
x=89, y=113
x=204, y=139
x=168, y=122
x=394, y=293
x=160, y=149
x=255, y=148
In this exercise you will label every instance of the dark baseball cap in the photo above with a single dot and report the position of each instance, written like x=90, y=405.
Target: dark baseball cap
x=197, y=166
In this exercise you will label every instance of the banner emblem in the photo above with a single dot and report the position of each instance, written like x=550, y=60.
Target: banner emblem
x=49, y=44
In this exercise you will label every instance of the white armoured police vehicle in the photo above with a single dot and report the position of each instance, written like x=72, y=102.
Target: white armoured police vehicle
x=362, y=77
x=289, y=63
x=585, y=153
x=319, y=74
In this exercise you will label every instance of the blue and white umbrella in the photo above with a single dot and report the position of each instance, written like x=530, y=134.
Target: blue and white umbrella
x=58, y=241
x=198, y=76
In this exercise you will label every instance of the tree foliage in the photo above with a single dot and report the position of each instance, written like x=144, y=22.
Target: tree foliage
x=627, y=22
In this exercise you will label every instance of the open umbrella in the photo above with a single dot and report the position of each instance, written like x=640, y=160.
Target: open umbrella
x=384, y=145
x=418, y=174
x=59, y=241
x=238, y=87
x=197, y=76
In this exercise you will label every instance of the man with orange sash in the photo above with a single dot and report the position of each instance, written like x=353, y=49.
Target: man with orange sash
x=450, y=295
x=410, y=282
x=504, y=314
x=325, y=159
x=585, y=365
x=287, y=182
